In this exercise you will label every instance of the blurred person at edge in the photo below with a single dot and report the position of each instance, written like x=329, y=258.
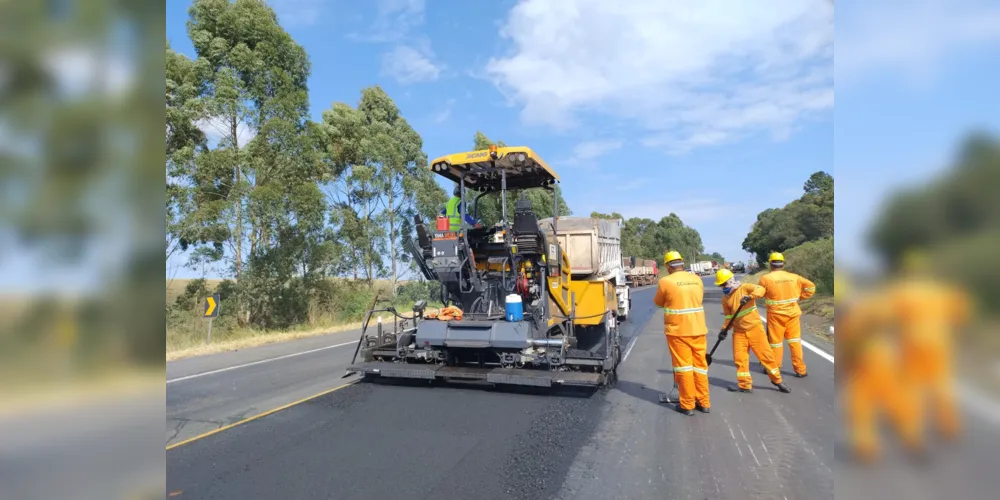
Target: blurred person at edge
x=869, y=373
x=927, y=313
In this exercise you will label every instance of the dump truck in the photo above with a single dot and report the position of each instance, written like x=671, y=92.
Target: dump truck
x=640, y=274
x=527, y=302
x=594, y=250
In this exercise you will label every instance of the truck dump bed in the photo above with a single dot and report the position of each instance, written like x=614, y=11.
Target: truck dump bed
x=593, y=246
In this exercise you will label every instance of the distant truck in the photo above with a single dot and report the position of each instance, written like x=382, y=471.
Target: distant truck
x=643, y=273
x=707, y=267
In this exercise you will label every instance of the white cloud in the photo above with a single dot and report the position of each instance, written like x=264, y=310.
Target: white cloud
x=394, y=19
x=445, y=113
x=81, y=69
x=216, y=129
x=692, y=74
x=913, y=38
x=586, y=151
x=593, y=149
x=297, y=12
x=409, y=65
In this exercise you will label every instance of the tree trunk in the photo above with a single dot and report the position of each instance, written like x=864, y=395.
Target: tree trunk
x=239, y=199
x=368, y=254
x=392, y=241
x=243, y=315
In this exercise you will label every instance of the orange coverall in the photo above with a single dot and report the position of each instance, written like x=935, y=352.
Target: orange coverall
x=680, y=295
x=783, y=291
x=927, y=313
x=872, y=385
x=748, y=333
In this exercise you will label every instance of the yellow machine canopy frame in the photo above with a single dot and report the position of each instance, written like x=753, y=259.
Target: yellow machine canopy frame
x=482, y=169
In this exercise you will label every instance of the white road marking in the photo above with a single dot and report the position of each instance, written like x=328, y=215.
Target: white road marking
x=221, y=370
x=630, y=346
x=980, y=403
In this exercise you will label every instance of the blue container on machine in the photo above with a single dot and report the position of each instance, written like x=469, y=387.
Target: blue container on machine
x=514, y=308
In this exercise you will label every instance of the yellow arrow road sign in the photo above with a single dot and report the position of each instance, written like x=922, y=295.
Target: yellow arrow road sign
x=211, y=306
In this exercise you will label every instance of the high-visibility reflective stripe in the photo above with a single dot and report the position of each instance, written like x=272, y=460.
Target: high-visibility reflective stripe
x=774, y=371
x=810, y=289
x=776, y=345
x=701, y=371
x=452, y=212
x=691, y=310
x=793, y=340
x=683, y=368
x=778, y=302
x=743, y=374
x=742, y=313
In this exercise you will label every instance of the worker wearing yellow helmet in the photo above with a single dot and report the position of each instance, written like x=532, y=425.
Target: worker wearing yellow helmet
x=927, y=314
x=782, y=292
x=680, y=294
x=748, y=331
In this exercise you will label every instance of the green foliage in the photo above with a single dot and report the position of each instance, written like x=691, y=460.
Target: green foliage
x=956, y=218
x=646, y=239
x=814, y=260
x=489, y=210
x=380, y=181
x=284, y=203
x=808, y=218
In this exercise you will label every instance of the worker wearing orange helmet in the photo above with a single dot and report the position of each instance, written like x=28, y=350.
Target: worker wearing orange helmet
x=782, y=292
x=748, y=331
x=927, y=314
x=680, y=294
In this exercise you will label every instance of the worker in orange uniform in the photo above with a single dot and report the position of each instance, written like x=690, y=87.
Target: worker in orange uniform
x=748, y=331
x=868, y=371
x=782, y=292
x=927, y=313
x=680, y=294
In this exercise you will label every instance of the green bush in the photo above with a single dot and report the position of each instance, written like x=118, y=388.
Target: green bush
x=814, y=260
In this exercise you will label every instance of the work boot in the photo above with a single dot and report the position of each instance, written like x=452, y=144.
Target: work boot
x=736, y=388
x=682, y=411
x=782, y=387
x=702, y=409
x=801, y=375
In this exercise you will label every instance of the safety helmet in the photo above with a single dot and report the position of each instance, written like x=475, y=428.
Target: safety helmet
x=672, y=256
x=722, y=276
x=776, y=257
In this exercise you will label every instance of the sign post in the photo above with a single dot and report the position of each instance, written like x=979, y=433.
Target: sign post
x=210, y=312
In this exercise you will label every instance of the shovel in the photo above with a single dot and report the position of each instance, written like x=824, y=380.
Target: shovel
x=708, y=357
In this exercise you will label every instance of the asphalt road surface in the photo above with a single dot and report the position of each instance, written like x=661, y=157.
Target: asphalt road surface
x=373, y=441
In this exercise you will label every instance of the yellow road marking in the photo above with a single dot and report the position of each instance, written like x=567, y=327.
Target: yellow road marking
x=259, y=415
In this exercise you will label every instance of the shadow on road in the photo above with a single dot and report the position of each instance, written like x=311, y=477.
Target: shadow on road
x=564, y=392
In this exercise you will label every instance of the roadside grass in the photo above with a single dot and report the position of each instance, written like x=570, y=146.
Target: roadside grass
x=186, y=334
x=175, y=287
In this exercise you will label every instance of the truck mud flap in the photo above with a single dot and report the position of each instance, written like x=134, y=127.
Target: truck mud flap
x=503, y=376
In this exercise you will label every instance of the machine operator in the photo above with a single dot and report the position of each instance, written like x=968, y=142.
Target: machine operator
x=453, y=210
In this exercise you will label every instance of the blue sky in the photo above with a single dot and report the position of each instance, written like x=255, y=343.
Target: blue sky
x=713, y=111
x=913, y=78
